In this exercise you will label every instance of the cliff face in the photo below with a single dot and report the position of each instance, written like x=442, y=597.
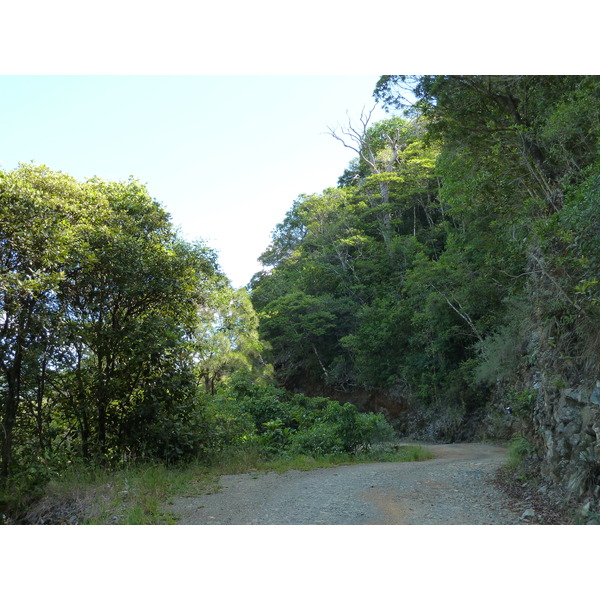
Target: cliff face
x=556, y=395
x=563, y=380
x=568, y=422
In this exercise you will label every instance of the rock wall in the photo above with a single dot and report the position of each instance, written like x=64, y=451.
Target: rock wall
x=567, y=422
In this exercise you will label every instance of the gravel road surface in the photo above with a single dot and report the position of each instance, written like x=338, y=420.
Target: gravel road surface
x=454, y=488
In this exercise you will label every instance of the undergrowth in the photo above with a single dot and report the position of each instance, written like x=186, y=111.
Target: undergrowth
x=247, y=427
x=519, y=450
x=140, y=494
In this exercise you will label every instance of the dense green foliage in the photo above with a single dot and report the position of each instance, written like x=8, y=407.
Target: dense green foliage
x=118, y=338
x=99, y=300
x=460, y=245
x=454, y=232
x=277, y=422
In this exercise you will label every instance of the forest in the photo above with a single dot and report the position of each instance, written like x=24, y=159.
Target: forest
x=448, y=288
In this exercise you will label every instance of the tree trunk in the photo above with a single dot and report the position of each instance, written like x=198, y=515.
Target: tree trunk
x=13, y=380
x=10, y=412
x=102, y=400
x=102, y=428
x=40, y=403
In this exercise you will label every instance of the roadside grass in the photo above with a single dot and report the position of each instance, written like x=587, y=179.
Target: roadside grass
x=250, y=459
x=133, y=495
x=140, y=494
x=519, y=449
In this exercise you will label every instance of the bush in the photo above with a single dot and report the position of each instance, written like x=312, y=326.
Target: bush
x=177, y=433
x=279, y=422
x=229, y=425
x=320, y=439
x=262, y=403
x=275, y=437
x=376, y=429
x=518, y=450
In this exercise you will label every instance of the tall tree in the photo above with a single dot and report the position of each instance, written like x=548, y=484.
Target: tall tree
x=134, y=291
x=41, y=213
x=386, y=151
x=339, y=257
x=99, y=303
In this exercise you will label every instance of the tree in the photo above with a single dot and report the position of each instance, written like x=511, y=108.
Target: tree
x=542, y=128
x=226, y=338
x=99, y=303
x=41, y=214
x=343, y=256
x=132, y=296
x=385, y=150
x=517, y=164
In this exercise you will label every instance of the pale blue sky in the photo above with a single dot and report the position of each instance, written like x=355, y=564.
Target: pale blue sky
x=225, y=155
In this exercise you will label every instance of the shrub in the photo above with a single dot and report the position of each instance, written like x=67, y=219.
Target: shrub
x=518, y=450
x=275, y=437
x=280, y=422
x=320, y=439
x=229, y=424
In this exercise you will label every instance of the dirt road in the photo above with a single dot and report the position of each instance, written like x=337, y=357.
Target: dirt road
x=453, y=488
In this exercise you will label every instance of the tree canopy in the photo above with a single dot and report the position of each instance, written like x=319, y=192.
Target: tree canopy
x=456, y=261
x=101, y=305
x=471, y=213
